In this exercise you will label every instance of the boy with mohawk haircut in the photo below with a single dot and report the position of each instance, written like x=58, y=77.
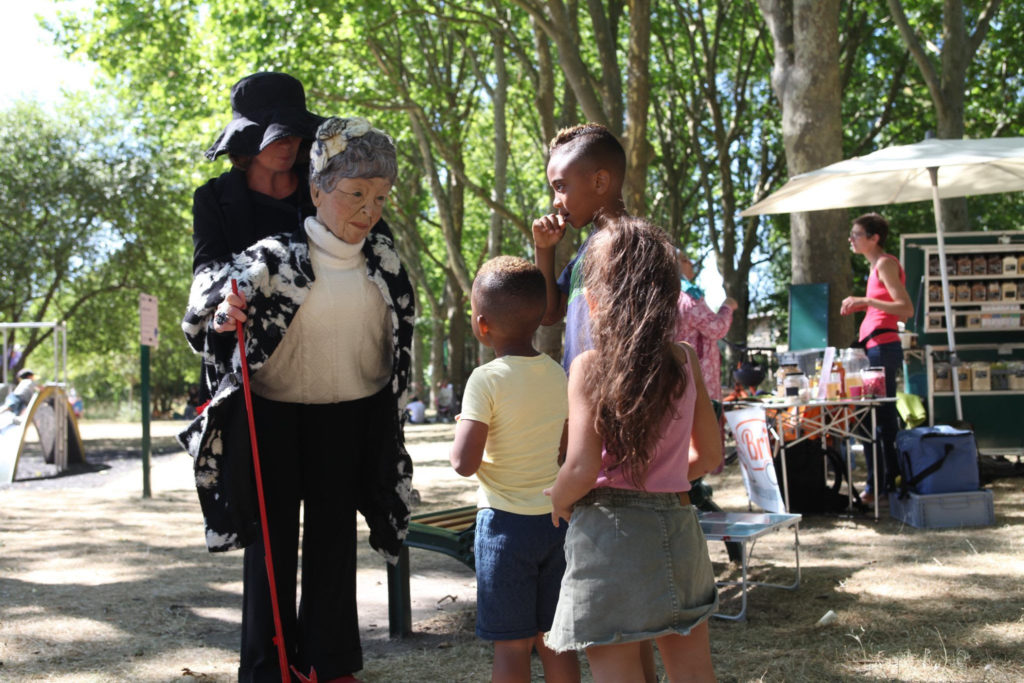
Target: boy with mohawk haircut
x=511, y=435
x=586, y=169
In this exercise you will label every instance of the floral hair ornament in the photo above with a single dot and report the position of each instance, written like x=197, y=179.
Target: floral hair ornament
x=332, y=139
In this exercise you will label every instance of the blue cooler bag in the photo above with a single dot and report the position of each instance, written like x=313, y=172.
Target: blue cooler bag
x=939, y=459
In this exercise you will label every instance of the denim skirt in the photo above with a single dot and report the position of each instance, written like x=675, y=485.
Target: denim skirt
x=637, y=568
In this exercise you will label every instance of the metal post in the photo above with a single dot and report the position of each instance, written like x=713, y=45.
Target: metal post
x=879, y=480
x=954, y=360
x=60, y=403
x=144, y=398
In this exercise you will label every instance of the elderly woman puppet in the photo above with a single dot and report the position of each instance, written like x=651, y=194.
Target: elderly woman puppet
x=328, y=318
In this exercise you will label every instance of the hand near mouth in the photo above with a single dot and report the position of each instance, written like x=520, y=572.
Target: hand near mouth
x=548, y=230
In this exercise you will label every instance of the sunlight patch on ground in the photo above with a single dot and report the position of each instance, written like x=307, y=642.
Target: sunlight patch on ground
x=55, y=571
x=227, y=586
x=227, y=614
x=48, y=629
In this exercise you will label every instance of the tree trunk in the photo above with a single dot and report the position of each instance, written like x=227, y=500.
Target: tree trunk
x=548, y=338
x=417, y=355
x=499, y=99
x=805, y=79
x=638, y=96
x=437, y=372
x=456, y=334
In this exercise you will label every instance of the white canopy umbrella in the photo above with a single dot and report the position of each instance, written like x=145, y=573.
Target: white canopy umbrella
x=935, y=169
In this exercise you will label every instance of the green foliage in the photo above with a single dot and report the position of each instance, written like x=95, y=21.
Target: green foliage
x=91, y=217
x=425, y=71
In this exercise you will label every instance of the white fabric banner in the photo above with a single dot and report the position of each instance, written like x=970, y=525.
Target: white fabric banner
x=755, y=455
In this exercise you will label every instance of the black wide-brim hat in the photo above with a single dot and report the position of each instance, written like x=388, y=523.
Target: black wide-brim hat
x=266, y=107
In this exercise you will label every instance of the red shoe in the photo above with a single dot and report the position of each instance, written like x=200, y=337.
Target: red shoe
x=344, y=679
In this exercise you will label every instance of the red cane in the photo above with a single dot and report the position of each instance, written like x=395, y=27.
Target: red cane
x=282, y=653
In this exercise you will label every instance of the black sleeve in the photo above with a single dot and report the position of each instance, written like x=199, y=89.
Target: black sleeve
x=382, y=228
x=209, y=238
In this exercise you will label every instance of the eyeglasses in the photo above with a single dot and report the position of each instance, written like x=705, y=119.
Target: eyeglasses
x=857, y=234
x=359, y=198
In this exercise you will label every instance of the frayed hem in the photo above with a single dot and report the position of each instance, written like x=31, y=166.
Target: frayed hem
x=622, y=638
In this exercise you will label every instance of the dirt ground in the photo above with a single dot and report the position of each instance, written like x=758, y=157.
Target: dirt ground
x=99, y=584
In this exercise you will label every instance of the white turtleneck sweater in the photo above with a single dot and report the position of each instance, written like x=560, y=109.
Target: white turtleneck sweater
x=338, y=347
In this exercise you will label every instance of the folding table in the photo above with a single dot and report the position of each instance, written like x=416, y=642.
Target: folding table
x=791, y=421
x=745, y=528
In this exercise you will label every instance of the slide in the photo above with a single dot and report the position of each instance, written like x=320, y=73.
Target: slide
x=12, y=436
x=41, y=414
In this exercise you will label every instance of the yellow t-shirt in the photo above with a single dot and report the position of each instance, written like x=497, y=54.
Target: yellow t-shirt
x=524, y=402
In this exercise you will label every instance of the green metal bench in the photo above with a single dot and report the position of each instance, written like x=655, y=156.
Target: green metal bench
x=450, y=532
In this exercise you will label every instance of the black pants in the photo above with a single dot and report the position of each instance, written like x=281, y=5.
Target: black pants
x=316, y=455
x=890, y=357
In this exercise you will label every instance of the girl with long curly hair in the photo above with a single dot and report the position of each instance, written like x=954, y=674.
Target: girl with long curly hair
x=641, y=426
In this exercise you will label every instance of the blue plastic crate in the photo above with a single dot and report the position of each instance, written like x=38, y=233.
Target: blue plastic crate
x=944, y=510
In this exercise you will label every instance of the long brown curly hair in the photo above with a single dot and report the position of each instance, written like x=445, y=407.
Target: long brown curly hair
x=632, y=286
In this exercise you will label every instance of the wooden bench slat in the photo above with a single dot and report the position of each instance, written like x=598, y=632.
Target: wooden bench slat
x=442, y=515
x=455, y=520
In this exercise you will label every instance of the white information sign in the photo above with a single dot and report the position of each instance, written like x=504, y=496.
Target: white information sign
x=148, y=327
x=755, y=455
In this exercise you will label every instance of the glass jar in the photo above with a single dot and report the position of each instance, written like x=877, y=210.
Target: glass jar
x=874, y=382
x=854, y=360
x=780, y=378
x=833, y=386
x=797, y=385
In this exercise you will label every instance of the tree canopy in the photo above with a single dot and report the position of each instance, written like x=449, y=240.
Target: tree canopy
x=473, y=90
x=90, y=217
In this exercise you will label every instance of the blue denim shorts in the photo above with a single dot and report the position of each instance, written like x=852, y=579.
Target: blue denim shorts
x=14, y=403
x=519, y=565
x=637, y=568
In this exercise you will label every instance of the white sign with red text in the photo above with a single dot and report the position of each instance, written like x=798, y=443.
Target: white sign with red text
x=755, y=455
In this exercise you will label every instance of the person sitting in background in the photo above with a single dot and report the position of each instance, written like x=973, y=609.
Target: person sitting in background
x=76, y=403
x=22, y=394
x=417, y=411
x=700, y=327
x=445, y=401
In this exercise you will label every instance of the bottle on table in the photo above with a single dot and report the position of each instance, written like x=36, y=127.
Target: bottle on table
x=854, y=362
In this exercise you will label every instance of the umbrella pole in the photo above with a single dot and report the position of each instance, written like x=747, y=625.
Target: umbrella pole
x=954, y=360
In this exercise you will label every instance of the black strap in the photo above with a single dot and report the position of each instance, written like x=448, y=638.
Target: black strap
x=861, y=343
x=926, y=472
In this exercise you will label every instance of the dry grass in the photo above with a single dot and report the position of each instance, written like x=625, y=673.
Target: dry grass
x=97, y=584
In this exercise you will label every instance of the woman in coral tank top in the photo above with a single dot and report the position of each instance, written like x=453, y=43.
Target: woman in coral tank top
x=886, y=304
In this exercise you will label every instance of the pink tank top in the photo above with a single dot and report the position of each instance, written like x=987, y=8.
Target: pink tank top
x=875, y=319
x=669, y=466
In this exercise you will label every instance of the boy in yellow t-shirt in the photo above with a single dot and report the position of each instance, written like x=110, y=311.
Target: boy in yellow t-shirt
x=511, y=435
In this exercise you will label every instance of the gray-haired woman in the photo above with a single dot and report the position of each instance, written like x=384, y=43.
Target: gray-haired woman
x=328, y=314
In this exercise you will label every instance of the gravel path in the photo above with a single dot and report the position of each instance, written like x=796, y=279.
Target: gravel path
x=114, y=468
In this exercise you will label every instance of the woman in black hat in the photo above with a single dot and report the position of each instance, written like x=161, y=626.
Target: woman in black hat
x=265, y=192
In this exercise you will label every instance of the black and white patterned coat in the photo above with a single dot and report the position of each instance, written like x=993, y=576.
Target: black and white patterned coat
x=275, y=275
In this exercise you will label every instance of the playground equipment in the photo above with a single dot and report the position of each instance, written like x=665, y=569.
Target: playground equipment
x=48, y=411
